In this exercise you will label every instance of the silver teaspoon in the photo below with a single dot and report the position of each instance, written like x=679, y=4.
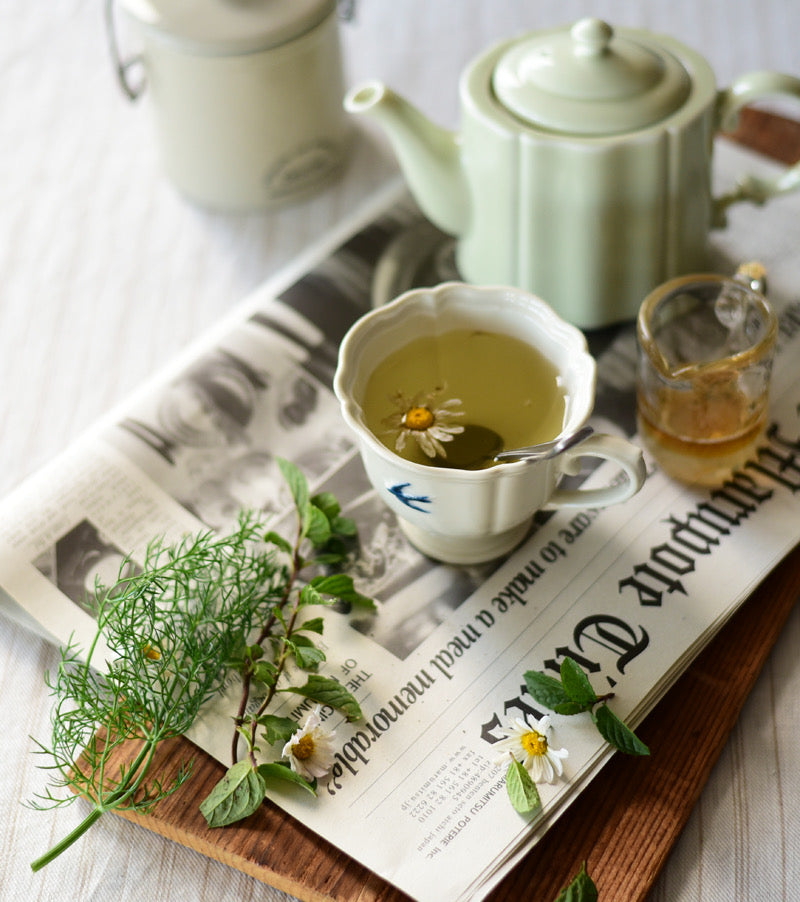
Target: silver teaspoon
x=545, y=449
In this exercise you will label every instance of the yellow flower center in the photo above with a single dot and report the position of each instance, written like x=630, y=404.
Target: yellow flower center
x=534, y=743
x=418, y=418
x=303, y=749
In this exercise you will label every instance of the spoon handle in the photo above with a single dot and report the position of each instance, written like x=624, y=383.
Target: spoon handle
x=545, y=449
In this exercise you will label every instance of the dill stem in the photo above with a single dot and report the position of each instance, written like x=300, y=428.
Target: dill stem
x=74, y=835
x=115, y=798
x=63, y=844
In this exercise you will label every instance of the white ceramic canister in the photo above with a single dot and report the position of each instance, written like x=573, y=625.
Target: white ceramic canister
x=246, y=95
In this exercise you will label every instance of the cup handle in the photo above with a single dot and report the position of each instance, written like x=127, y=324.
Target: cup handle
x=747, y=88
x=607, y=447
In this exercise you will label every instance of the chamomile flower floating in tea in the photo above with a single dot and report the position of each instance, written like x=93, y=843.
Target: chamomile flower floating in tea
x=490, y=391
x=529, y=745
x=427, y=424
x=310, y=751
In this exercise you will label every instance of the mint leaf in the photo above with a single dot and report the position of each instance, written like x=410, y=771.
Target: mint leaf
x=344, y=526
x=265, y=672
x=318, y=527
x=576, y=683
x=521, y=789
x=309, y=595
x=545, y=689
x=581, y=889
x=298, y=484
x=314, y=625
x=275, y=771
x=570, y=708
x=307, y=655
x=328, y=692
x=614, y=731
x=237, y=795
x=339, y=585
x=277, y=729
x=328, y=503
x=275, y=538
x=330, y=557
x=361, y=602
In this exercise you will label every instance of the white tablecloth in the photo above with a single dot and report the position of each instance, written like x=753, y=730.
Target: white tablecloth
x=105, y=273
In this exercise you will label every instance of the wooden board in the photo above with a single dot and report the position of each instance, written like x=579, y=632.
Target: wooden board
x=624, y=827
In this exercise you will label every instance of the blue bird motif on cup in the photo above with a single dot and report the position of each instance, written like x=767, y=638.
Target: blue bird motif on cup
x=412, y=501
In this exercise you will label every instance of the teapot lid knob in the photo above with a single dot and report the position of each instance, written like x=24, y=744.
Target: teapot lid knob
x=591, y=37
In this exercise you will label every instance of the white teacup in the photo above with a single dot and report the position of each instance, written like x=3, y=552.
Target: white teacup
x=468, y=516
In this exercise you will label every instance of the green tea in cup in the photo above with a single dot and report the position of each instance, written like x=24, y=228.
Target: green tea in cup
x=458, y=398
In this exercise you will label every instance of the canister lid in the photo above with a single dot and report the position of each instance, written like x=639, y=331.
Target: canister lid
x=587, y=80
x=228, y=26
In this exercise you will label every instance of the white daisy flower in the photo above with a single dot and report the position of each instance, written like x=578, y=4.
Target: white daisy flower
x=429, y=425
x=310, y=750
x=529, y=745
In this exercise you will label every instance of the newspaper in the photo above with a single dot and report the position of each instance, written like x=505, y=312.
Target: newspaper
x=632, y=592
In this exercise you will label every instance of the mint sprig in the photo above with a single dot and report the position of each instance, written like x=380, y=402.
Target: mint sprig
x=286, y=637
x=573, y=694
x=581, y=888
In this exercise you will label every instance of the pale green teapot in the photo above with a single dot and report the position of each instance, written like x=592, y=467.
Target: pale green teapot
x=582, y=171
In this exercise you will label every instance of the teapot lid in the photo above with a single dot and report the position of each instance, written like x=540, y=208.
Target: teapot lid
x=589, y=81
x=228, y=26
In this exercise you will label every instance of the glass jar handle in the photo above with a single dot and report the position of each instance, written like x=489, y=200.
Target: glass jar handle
x=121, y=67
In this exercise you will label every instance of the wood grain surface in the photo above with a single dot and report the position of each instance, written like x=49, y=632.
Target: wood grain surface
x=767, y=133
x=624, y=828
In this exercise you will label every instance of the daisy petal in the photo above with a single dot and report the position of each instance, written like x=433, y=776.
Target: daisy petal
x=426, y=443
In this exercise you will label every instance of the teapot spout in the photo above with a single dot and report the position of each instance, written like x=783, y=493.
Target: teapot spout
x=428, y=154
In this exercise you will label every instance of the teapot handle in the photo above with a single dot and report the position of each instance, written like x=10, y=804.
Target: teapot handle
x=747, y=88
